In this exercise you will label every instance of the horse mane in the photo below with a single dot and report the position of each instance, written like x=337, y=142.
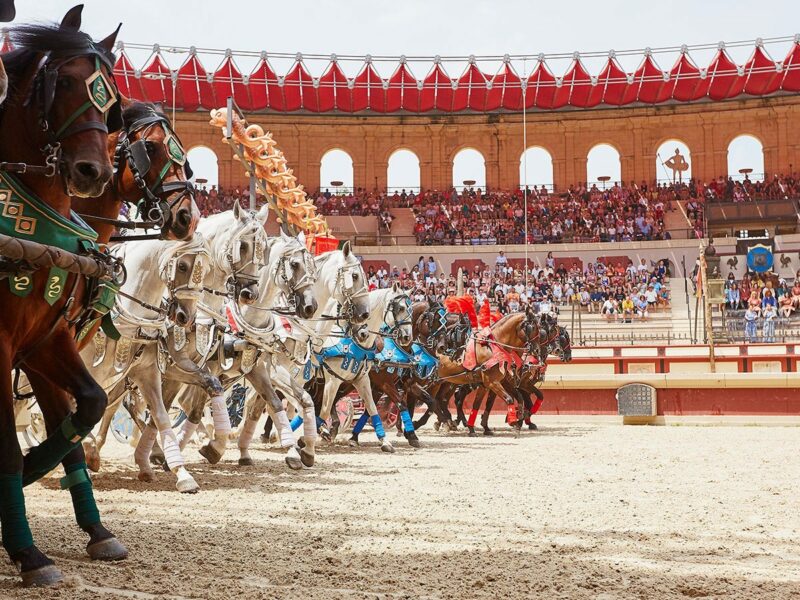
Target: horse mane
x=30, y=41
x=136, y=111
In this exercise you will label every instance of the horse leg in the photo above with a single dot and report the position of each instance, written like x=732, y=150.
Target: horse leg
x=296, y=395
x=148, y=379
x=511, y=403
x=93, y=444
x=59, y=363
x=480, y=394
x=535, y=407
x=460, y=397
x=253, y=408
x=364, y=389
x=55, y=405
x=488, y=411
x=34, y=566
x=332, y=385
x=188, y=372
x=259, y=377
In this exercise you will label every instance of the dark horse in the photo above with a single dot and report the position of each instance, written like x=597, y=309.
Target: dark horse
x=53, y=134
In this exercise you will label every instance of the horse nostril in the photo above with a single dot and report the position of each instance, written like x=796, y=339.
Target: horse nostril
x=184, y=217
x=88, y=169
x=364, y=316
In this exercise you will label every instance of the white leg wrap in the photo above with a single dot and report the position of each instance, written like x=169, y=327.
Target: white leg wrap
x=285, y=429
x=172, y=452
x=222, y=421
x=145, y=446
x=187, y=431
x=246, y=431
x=309, y=428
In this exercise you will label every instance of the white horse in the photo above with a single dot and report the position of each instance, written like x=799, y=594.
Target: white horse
x=238, y=247
x=341, y=293
x=236, y=241
x=288, y=274
x=350, y=359
x=165, y=281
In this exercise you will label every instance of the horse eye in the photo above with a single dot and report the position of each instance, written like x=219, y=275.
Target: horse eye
x=243, y=247
x=150, y=147
x=183, y=267
x=355, y=276
x=295, y=264
x=64, y=83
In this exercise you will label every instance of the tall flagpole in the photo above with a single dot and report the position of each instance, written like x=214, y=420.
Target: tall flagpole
x=525, y=170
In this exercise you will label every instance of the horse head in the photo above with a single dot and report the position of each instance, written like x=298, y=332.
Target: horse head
x=183, y=267
x=63, y=104
x=397, y=315
x=344, y=280
x=151, y=171
x=295, y=273
x=563, y=344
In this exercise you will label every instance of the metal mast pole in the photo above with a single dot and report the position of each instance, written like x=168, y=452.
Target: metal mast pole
x=525, y=171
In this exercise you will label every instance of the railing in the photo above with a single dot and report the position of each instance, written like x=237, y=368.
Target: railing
x=632, y=338
x=383, y=239
x=786, y=329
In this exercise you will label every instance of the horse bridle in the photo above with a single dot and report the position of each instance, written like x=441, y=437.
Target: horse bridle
x=238, y=279
x=397, y=305
x=102, y=95
x=346, y=308
x=156, y=201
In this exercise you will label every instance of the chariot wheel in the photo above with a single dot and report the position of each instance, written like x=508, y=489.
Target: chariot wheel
x=388, y=411
x=123, y=428
x=344, y=408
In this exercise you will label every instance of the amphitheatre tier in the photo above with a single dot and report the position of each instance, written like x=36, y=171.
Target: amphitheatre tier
x=707, y=128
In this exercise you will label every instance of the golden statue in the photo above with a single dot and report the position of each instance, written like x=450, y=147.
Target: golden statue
x=678, y=165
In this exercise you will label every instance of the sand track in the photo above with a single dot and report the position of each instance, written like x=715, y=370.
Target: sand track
x=566, y=512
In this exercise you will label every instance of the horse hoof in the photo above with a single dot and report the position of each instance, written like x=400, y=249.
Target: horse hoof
x=353, y=443
x=307, y=459
x=472, y=432
x=42, y=577
x=301, y=443
x=109, y=550
x=295, y=464
x=211, y=454
x=158, y=460
x=145, y=476
x=273, y=437
x=265, y=439
x=245, y=461
x=387, y=447
x=326, y=435
x=488, y=431
x=532, y=427
x=92, y=458
x=188, y=487
x=414, y=443
x=437, y=425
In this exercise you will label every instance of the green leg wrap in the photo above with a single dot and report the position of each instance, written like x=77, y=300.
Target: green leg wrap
x=16, y=532
x=46, y=456
x=80, y=488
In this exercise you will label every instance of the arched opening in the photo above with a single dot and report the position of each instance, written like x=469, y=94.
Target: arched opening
x=536, y=168
x=336, y=171
x=746, y=158
x=402, y=172
x=203, y=161
x=468, y=166
x=673, y=162
x=603, y=166
x=205, y=176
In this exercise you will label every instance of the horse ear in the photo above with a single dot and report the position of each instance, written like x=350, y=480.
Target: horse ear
x=237, y=210
x=346, y=249
x=396, y=287
x=109, y=41
x=72, y=20
x=263, y=213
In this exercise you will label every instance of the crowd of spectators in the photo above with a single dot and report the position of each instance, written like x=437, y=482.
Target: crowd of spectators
x=777, y=187
x=619, y=292
x=623, y=212
x=763, y=298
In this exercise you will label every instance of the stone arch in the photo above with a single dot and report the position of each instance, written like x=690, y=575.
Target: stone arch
x=336, y=164
x=403, y=171
x=468, y=163
x=603, y=159
x=746, y=151
x=536, y=167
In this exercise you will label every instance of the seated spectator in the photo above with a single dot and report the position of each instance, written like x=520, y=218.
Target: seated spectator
x=627, y=308
x=609, y=309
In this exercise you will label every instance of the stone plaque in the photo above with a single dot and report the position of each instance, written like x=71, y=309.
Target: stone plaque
x=636, y=400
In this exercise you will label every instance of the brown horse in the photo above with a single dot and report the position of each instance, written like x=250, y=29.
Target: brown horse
x=165, y=178
x=495, y=357
x=554, y=339
x=53, y=133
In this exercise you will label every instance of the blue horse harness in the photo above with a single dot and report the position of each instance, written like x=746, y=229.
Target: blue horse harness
x=394, y=357
x=424, y=363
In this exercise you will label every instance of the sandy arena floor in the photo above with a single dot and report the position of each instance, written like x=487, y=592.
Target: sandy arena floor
x=567, y=512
